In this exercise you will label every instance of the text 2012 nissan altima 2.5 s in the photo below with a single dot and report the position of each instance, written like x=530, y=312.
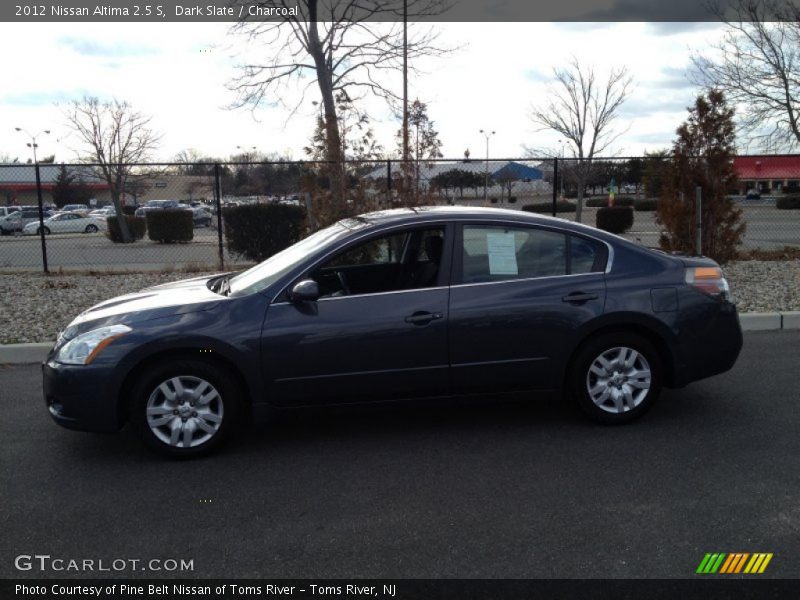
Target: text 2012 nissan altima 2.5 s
x=401, y=304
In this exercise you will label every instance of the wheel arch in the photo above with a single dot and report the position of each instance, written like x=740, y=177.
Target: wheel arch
x=653, y=331
x=142, y=363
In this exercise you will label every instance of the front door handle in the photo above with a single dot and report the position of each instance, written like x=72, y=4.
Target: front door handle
x=578, y=298
x=423, y=317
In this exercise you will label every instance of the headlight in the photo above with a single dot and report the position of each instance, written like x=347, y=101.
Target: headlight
x=84, y=348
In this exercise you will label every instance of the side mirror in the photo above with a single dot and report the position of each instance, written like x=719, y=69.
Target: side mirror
x=306, y=290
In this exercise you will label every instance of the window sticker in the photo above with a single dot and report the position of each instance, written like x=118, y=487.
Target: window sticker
x=502, y=253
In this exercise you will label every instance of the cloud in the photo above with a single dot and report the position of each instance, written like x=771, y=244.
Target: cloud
x=673, y=28
x=87, y=47
x=654, y=105
x=675, y=13
x=537, y=76
x=653, y=137
x=37, y=98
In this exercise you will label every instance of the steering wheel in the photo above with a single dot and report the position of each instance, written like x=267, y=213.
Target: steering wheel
x=342, y=282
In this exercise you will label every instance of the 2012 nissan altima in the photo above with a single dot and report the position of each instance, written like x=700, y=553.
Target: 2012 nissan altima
x=402, y=304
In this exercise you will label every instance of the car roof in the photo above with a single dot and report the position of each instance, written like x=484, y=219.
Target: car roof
x=422, y=214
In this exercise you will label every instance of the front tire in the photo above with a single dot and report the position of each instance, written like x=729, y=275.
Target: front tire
x=616, y=377
x=186, y=407
x=91, y=229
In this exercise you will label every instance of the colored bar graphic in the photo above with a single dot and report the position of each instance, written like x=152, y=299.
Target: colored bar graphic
x=765, y=563
x=728, y=564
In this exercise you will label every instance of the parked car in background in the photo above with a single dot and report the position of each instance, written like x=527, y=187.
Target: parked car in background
x=422, y=303
x=753, y=194
x=7, y=210
x=81, y=208
x=102, y=213
x=17, y=220
x=157, y=205
x=202, y=216
x=66, y=222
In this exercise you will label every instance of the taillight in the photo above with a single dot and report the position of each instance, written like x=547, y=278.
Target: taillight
x=709, y=280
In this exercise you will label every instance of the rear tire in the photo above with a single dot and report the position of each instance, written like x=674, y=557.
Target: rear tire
x=616, y=377
x=185, y=407
x=91, y=229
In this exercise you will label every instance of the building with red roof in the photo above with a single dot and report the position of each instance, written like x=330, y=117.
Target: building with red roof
x=768, y=173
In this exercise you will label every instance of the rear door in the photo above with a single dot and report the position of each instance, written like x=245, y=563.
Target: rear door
x=520, y=293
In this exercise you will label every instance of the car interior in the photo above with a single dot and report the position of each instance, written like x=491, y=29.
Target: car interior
x=404, y=261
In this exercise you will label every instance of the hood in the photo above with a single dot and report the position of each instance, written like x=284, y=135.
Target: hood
x=180, y=297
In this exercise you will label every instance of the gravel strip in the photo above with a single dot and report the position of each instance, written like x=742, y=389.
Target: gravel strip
x=35, y=307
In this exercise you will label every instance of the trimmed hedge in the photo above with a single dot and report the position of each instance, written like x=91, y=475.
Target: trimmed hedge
x=615, y=219
x=169, y=225
x=646, y=205
x=602, y=202
x=562, y=206
x=257, y=231
x=136, y=225
x=788, y=203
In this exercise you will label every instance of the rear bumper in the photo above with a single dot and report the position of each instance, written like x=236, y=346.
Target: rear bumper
x=709, y=345
x=78, y=397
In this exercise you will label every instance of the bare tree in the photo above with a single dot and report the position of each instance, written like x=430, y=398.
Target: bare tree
x=338, y=45
x=758, y=68
x=582, y=109
x=114, y=136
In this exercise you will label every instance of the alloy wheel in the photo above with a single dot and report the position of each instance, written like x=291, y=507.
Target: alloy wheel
x=619, y=379
x=185, y=411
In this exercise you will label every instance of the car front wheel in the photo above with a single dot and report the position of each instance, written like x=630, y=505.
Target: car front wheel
x=91, y=229
x=616, y=377
x=185, y=408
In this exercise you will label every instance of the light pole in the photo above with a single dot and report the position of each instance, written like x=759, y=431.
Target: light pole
x=562, y=145
x=487, y=134
x=33, y=145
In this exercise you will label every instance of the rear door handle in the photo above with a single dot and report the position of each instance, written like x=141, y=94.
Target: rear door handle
x=578, y=298
x=423, y=318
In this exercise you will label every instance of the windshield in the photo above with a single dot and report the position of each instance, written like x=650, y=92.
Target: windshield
x=276, y=266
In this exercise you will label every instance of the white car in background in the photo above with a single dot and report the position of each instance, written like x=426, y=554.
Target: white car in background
x=66, y=222
x=102, y=213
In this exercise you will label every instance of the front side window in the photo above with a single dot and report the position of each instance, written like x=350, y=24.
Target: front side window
x=407, y=260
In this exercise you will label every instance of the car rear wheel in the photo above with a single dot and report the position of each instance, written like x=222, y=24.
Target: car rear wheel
x=616, y=377
x=91, y=229
x=185, y=408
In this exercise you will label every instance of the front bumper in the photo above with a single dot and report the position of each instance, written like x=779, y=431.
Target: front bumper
x=79, y=397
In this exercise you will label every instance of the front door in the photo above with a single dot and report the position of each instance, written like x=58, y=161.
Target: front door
x=378, y=331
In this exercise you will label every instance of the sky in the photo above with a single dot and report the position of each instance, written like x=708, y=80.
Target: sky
x=177, y=73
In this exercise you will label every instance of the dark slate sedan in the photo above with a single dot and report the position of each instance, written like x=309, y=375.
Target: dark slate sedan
x=404, y=304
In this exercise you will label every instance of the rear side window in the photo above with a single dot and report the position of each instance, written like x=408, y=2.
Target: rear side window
x=586, y=256
x=492, y=253
x=498, y=253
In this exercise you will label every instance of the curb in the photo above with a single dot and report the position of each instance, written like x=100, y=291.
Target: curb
x=21, y=354
x=769, y=321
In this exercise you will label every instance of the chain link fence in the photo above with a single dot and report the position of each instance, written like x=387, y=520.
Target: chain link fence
x=54, y=217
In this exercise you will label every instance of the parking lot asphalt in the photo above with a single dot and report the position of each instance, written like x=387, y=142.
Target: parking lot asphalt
x=487, y=489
